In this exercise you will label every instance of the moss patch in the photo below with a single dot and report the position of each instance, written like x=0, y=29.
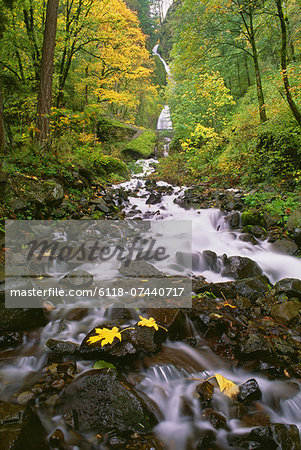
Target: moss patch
x=141, y=147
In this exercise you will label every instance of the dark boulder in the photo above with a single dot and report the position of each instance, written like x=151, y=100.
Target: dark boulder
x=249, y=391
x=240, y=267
x=20, y=428
x=154, y=198
x=139, y=269
x=102, y=401
x=290, y=286
x=277, y=436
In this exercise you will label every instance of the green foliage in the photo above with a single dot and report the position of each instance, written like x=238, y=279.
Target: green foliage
x=103, y=365
x=272, y=202
x=141, y=147
x=102, y=165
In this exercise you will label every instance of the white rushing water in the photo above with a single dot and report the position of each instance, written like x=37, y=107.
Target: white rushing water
x=164, y=121
x=209, y=232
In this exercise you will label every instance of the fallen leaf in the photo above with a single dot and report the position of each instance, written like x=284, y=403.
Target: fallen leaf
x=226, y=386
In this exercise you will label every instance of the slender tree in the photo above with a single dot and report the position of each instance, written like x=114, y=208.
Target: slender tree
x=292, y=104
x=2, y=133
x=45, y=88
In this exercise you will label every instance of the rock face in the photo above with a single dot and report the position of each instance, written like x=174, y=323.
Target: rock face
x=17, y=319
x=134, y=341
x=291, y=287
x=249, y=391
x=274, y=437
x=20, y=428
x=139, y=269
x=102, y=401
x=239, y=267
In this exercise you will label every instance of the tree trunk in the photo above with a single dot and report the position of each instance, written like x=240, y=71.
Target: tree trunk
x=247, y=70
x=292, y=104
x=260, y=96
x=2, y=132
x=45, y=89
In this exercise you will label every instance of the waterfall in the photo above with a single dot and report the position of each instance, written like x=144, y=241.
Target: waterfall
x=164, y=121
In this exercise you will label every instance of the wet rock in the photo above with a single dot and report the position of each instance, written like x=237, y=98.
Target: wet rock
x=12, y=339
x=78, y=278
x=19, y=319
x=205, y=391
x=281, y=346
x=216, y=419
x=172, y=319
x=251, y=288
x=153, y=199
x=249, y=391
x=101, y=400
x=258, y=231
x=233, y=219
x=211, y=260
x=57, y=439
x=139, y=269
x=206, y=440
x=20, y=428
x=255, y=346
x=251, y=217
x=270, y=220
x=117, y=442
x=273, y=437
x=287, y=246
x=294, y=220
x=134, y=342
x=247, y=237
x=62, y=347
x=25, y=397
x=285, y=312
x=291, y=287
x=239, y=267
x=189, y=260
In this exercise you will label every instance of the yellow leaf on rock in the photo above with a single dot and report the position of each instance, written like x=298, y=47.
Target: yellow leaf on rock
x=226, y=386
x=105, y=335
x=148, y=323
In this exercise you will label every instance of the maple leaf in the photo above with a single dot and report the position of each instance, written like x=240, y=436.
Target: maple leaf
x=148, y=323
x=226, y=386
x=105, y=335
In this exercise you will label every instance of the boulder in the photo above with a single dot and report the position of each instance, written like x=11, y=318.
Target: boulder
x=285, y=312
x=136, y=341
x=19, y=319
x=239, y=267
x=294, y=220
x=277, y=436
x=20, y=428
x=101, y=401
x=290, y=286
x=251, y=217
x=139, y=269
x=287, y=246
x=153, y=199
x=249, y=391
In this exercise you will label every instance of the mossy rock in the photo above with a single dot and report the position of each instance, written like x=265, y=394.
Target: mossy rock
x=141, y=147
x=106, y=165
x=109, y=130
x=251, y=217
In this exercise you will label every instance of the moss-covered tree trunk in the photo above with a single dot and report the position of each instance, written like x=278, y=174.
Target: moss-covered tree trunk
x=45, y=89
x=2, y=132
x=290, y=101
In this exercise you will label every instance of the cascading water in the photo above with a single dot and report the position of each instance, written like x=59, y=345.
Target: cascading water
x=164, y=121
x=170, y=383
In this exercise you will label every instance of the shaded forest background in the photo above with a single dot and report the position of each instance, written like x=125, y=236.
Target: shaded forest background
x=234, y=91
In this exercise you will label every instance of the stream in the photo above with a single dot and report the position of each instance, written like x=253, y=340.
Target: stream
x=170, y=377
